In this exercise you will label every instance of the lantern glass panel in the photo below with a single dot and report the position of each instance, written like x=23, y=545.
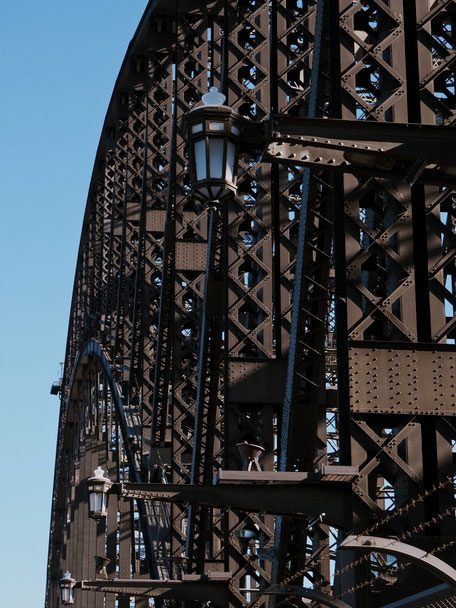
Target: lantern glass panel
x=98, y=501
x=230, y=161
x=216, y=157
x=200, y=159
x=197, y=128
x=216, y=126
x=92, y=502
x=67, y=594
x=235, y=130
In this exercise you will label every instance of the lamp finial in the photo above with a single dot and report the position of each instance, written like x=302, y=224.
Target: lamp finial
x=213, y=97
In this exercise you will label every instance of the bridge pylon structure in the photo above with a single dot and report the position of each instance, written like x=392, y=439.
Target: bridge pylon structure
x=269, y=383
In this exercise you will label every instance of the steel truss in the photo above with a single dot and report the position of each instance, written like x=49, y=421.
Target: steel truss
x=312, y=314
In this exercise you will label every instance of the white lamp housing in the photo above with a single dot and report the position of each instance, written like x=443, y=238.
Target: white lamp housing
x=98, y=488
x=212, y=132
x=67, y=589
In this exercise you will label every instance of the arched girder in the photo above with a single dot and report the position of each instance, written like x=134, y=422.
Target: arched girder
x=390, y=546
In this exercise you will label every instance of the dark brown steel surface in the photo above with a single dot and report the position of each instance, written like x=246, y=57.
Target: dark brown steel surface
x=319, y=324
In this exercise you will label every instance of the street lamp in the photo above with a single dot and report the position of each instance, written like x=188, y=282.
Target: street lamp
x=212, y=133
x=245, y=536
x=67, y=589
x=98, y=488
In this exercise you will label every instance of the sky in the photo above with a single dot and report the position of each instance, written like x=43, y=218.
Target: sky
x=58, y=64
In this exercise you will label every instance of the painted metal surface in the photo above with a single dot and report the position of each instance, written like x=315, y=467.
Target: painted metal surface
x=322, y=297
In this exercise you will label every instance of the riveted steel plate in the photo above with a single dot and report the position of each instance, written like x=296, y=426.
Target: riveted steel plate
x=403, y=380
x=155, y=220
x=191, y=255
x=257, y=382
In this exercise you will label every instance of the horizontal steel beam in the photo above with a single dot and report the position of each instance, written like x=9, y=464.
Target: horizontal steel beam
x=213, y=587
x=405, y=152
x=311, y=594
x=409, y=553
x=297, y=496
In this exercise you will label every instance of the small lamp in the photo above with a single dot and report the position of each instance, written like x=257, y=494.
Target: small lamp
x=245, y=537
x=98, y=488
x=250, y=453
x=212, y=133
x=67, y=589
x=100, y=564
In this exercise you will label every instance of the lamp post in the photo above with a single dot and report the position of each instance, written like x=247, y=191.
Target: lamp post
x=98, y=488
x=212, y=133
x=67, y=589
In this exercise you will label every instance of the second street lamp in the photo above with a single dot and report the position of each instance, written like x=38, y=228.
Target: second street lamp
x=98, y=488
x=67, y=589
x=212, y=133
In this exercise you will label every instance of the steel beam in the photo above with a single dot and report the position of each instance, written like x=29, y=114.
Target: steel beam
x=404, y=152
x=278, y=493
x=213, y=587
x=311, y=594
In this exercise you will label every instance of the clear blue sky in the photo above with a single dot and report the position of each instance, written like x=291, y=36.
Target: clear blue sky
x=58, y=64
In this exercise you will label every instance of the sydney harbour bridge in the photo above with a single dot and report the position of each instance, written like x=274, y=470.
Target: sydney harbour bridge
x=260, y=371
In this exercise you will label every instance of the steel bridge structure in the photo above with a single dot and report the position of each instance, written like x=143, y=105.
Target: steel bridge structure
x=312, y=316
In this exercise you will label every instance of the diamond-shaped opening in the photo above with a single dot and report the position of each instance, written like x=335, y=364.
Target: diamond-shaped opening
x=248, y=188
x=191, y=96
x=188, y=363
x=247, y=75
x=377, y=212
x=371, y=23
x=138, y=126
x=159, y=74
x=246, y=6
x=443, y=29
x=159, y=117
x=248, y=232
x=190, y=68
x=188, y=330
x=297, y=41
x=249, y=350
x=366, y=20
x=296, y=79
x=248, y=315
x=160, y=95
x=381, y=275
x=189, y=302
x=296, y=8
x=159, y=163
x=159, y=140
x=248, y=273
x=249, y=109
x=248, y=37
x=158, y=184
x=445, y=87
x=156, y=279
x=187, y=423
x=367, y=82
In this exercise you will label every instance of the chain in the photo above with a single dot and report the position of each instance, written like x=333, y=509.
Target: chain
x=410, y=505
